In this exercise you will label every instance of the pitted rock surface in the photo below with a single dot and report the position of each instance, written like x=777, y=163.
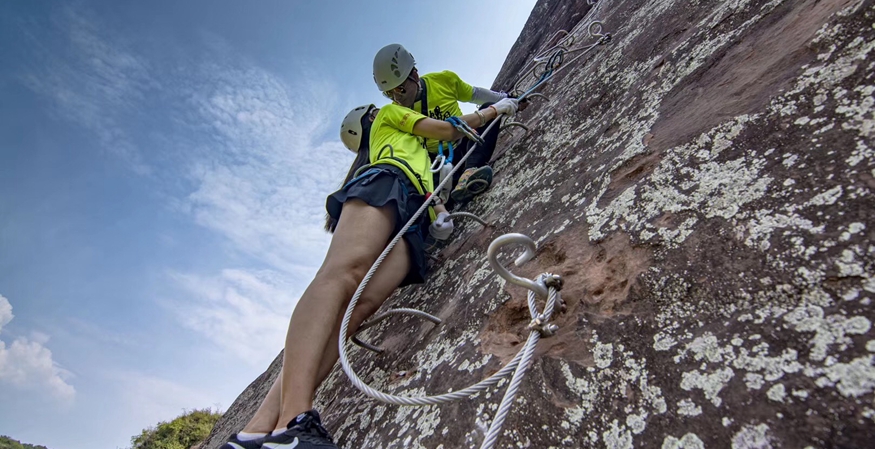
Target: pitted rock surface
x=703, y=184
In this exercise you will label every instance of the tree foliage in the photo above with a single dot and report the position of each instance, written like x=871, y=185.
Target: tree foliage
x=9, y=443
x=182, y=433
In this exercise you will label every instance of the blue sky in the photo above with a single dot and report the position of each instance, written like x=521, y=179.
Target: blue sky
x=163, y=172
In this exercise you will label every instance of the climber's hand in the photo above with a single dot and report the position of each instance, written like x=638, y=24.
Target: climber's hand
x=442, y=226
x=506, y=106
x=523, y=104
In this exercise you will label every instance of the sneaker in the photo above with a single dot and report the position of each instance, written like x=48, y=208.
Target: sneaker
x=474, y=181
x=234, y=443
x=305, y=432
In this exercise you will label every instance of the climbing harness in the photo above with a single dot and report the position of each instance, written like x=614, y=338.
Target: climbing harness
x=545, y=286
x=443, y=166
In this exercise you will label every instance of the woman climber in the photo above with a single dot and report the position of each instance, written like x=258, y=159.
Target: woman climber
x=369, y=210
x=437, y=95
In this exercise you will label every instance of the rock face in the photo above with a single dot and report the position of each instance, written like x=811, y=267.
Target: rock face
x=703, y=183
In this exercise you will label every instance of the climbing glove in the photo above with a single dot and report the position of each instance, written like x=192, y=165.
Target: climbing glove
x=506, y=106
x=441, y=227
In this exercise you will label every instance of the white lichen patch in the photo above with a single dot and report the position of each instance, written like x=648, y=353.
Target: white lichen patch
x=603, y=355
x=688, y=441
x=663, y=341
x=752, y=437
x=830, y=330
x=709, y=383
x=777, y=393
x=617, y=437
x=713, y=188
x=754, y=381
x=686, y=407
x=851, y=379
x=853, y=228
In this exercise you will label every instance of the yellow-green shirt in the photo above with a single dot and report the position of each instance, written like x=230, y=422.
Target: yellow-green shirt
x=444, y=92
x=394, y=126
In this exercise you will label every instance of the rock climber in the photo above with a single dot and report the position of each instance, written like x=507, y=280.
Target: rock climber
x=371, y=207
x=437, y=95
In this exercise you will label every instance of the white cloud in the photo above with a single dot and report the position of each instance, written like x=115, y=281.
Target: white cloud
x=261, y=184
x=5, y=312
x=244, y=313
x=27, y=363
x=264, y=181
x=249, y=145
x=94, y=83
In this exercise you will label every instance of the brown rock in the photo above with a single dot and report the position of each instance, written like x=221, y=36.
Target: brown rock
x=703, y=183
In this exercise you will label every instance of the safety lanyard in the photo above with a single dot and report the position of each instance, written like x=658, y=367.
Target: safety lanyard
x=423, y=101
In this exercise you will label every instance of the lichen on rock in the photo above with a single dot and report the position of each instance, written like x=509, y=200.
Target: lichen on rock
x=703, y=184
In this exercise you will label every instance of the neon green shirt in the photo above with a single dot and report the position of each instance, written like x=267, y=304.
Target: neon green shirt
x=444, y=90
x=394, y=126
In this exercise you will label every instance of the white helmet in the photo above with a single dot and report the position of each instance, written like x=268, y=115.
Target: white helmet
x=351, y=128
x=392, y=65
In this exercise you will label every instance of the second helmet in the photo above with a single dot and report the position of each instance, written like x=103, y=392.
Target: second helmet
x=351, y=128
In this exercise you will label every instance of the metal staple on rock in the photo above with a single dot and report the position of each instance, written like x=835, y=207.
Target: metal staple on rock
x=594, y=28
x=469, y=215
x=377, y=319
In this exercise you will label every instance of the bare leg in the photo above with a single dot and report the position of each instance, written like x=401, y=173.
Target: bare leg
x=387, y=278
x=360, y=237
x=385, y=281
x=264, y=420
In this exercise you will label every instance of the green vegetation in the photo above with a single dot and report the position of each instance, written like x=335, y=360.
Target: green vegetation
x=182, y=433
x=9, y=443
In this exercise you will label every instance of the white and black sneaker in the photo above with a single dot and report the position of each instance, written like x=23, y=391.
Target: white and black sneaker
x=235, y=443
x=304, y=432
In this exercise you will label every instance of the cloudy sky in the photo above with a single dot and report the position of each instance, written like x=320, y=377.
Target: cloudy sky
x=163, y=172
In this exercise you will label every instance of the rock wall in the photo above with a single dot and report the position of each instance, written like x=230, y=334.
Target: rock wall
x=703, y=184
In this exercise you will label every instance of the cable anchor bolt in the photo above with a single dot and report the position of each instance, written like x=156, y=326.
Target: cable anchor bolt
x=545, y=329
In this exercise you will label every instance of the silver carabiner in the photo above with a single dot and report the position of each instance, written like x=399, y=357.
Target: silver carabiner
x=530, y=247
x=438, y=163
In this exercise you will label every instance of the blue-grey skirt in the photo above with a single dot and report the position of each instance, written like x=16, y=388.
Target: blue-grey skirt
x=387, y=185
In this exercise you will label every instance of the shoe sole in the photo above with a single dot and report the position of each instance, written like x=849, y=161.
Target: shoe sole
x=478, y=178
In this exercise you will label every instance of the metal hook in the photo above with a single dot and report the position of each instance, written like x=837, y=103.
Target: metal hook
x=469, y=215
x=508, y=124
x=595, y=29
x=538, y=95
x=530, y=247
x=373, y=322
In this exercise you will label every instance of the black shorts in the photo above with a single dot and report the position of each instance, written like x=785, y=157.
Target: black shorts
x=382, y=185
